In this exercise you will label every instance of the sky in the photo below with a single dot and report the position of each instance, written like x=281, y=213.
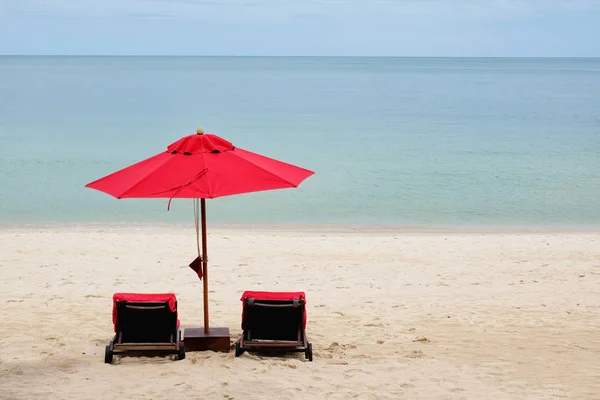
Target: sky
x=462, y=28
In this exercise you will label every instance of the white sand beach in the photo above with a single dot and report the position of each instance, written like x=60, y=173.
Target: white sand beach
x=391, y=316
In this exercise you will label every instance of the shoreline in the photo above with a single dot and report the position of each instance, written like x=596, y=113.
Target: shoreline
x=308, y=228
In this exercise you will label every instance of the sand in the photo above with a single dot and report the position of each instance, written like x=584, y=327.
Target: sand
x=391, y=316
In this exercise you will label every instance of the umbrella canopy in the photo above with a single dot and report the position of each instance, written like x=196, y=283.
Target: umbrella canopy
x=200, y=167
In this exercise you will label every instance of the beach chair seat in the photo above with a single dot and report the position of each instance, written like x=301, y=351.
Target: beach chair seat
x=145, y=323
x=274, y=321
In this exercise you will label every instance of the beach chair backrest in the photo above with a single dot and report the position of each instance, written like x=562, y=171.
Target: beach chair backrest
x=146, y=322
x=273, y=319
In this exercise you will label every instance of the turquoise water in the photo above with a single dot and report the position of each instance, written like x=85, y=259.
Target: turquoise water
x=393, y=141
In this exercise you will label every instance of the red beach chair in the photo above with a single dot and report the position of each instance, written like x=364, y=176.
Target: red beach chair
x=145, y=322
x=274, y=321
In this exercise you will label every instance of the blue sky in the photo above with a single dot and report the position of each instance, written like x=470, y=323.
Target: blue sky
x=302, y=27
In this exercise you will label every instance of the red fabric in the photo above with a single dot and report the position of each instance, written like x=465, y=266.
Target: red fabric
x=196, y=266
x=144, y=298
x=214, y=168
x=196, y=144
x=275, y=296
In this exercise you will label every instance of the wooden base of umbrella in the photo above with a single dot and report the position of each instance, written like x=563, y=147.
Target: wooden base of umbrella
x=217, y=339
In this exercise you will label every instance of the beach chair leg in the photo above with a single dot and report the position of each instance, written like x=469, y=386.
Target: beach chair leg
x=109, y=351
x=108, y=355
x=181, y=351
x=308, y=354
x=238, y=349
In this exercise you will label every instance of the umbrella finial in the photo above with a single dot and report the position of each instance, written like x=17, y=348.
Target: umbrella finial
x=199, y=131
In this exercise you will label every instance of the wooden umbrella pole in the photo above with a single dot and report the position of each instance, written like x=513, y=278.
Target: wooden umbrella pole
x=204, y=263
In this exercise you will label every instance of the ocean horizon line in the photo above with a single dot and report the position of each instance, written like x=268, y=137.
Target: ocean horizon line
x=300, y=56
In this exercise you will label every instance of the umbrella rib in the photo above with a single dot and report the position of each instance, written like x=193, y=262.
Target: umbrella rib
x=264, y=169
x=210, y=193
x=142, y=179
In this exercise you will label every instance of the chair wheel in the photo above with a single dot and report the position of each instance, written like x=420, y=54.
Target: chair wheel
x=238, y=349
x=308, y=352
x=108, y=355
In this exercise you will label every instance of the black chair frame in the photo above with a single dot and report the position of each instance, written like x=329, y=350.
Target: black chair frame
x=145, y=327
x=273, y=325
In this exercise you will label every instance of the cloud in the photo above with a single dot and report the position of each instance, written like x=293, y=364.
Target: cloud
x=323, y=27
x=273, y=9
x=180, y=9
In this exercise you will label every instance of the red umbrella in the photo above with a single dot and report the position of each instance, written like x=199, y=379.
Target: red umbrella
x=201, y=167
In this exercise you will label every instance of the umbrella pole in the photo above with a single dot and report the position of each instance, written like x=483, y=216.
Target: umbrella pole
x=204, y=263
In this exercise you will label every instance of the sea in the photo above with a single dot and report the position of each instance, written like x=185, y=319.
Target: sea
x=394, y=142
